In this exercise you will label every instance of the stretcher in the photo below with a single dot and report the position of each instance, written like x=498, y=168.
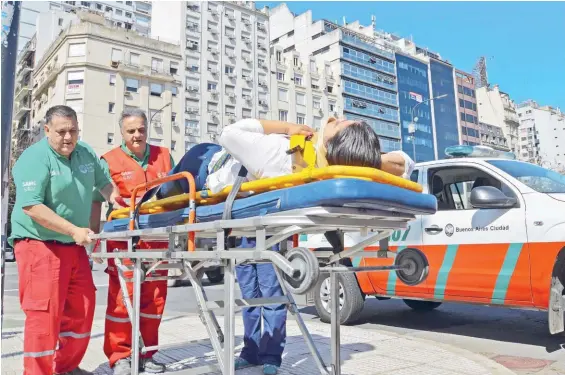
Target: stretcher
x=201, y=233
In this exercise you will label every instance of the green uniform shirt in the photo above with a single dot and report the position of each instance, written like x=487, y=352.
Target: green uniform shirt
x=65, y=185
x=142, y=162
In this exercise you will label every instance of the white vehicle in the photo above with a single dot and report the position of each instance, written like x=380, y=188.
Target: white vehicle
x=498, y=238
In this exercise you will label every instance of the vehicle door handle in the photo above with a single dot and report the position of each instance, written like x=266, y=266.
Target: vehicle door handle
x=434, y=229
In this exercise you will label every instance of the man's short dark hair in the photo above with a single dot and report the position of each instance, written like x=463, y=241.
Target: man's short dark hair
x=356, y=145
x=60, y=111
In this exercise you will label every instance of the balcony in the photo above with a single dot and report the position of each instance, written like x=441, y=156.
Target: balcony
x=281, y=64
x=28, y=49
x=21, y=91
x=193, y=32
x=21, y=109
x=45, y=79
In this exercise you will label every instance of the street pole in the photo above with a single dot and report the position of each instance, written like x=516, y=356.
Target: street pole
x=412, y=130
x=153, y=115
x=9, y=55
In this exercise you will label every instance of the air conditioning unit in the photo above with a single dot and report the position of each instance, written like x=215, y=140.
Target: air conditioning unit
x=263, y=102
x=192, y=88
x=231, y=55
x=232, y=75
x=213, y=70
x=174, y=124
x=263, y=83
x=245, y=21
x=115, y=64
x=214, y=113
x=213, y=50
x=231, y=94
x=320, y=110
x=261, y=46
x=247, y=59
x=213, y=31
x=157, y=124
x=248, y=78
x=214, y=92
x=247, y=97
x=214, y=12
x=230, y=16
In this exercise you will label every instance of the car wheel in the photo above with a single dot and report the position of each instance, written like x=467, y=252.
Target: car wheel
x=421, y=305
x=351, y=299
x=215, y=276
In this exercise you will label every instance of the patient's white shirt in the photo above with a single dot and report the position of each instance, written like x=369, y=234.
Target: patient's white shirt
x=264, y=155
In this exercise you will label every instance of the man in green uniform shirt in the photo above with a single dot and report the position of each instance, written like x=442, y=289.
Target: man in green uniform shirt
x=54, y=180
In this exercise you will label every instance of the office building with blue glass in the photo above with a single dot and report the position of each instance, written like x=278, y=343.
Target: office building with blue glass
x=369, y=85
x=414, y=95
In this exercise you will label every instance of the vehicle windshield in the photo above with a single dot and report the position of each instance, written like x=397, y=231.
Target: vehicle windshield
x=540, y=179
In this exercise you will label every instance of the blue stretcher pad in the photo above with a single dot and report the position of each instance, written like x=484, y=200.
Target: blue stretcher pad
x=339, y=192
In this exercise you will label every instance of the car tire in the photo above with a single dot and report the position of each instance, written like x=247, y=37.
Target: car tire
x=418, y=305
x=215, y=276
x=351, y=298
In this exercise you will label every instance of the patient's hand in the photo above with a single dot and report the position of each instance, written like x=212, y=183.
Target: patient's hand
x=297, y=129
x=393, y=163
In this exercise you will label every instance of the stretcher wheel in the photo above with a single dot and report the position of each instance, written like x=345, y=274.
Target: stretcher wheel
x=414, y=266
x=306, y=263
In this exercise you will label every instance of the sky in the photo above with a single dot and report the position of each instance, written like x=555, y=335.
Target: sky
x=523, y=42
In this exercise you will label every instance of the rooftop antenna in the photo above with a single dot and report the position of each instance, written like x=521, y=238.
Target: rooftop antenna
x=344, y=23
x=373, y=21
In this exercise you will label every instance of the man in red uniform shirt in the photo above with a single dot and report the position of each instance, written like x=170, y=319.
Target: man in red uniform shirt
x=133, y=163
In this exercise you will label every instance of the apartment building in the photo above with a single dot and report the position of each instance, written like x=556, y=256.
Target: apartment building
x=495, y=107
x=98, y=70
x=322, y=69
x=467, y=107
x=225, y=72
x=542, y=135
x=493, y=136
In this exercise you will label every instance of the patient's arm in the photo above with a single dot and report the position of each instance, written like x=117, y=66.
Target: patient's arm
x=260, y=145
x=397, y=163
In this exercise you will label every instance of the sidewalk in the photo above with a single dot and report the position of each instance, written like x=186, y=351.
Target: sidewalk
x=362, y=351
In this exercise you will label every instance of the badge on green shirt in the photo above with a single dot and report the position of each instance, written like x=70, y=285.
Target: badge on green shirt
x=65, y=185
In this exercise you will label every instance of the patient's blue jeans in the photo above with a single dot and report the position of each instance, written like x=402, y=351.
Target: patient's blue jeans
x=260, y=281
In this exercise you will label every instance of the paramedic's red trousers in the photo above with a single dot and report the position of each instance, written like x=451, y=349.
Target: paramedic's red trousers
x=57, y=294
x=117, y=334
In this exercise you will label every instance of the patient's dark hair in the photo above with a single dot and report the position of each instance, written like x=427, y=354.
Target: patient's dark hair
x=356, y=145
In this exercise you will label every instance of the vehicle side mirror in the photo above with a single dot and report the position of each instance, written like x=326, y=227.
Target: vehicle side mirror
x=491, y=197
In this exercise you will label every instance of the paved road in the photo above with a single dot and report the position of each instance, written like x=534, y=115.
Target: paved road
x=515, y=338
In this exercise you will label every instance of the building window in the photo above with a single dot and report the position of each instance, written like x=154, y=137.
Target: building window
x=129, y=3
x=295, y=60
x=283, y=95
x=60, y=22
x=462, y=116
x=156, y=65
x=174, y=91
x=298, y=79
x=128, y=14
x=283, y=115
x=331, y=106
x=300, y=99
x=75, y=78
x=212, y=86
x=119, y=12
x=99, y=6
x=300, y=119
x=111, y=107
x=280, y=76
x=330, y=89
x=156, y=89
x=112, y=80
x=134, y=59
x=246, y=113
x=174, y=68
x=76, y=104
x=77, y=49
x=116, y=54
x=279, y=56
x=132, y=84
x=228, y=69
x=317, y=122
x=316, y=103
x=110, y=138
x=461, y=103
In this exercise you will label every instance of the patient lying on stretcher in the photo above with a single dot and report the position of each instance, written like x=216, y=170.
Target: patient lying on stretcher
x=261, y=146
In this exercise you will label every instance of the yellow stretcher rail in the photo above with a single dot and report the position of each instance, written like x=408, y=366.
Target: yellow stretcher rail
x=306, y=175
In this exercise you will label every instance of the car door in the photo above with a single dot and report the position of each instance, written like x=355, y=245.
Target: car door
x=387, y=283
x=480, y=255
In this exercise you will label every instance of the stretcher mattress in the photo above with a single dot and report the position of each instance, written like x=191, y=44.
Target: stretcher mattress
x=340, y=192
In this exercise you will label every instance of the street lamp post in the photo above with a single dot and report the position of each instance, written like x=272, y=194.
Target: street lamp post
x=153, y=115
x=412, y=126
